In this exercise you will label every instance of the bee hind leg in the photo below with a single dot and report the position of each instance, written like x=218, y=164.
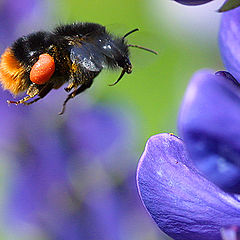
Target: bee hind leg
x=31, y=93
x=70, y=87
x=33, y=101
x=21, y=101
x=42, y=93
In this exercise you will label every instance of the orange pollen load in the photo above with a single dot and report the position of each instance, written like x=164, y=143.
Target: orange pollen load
x=43, y=69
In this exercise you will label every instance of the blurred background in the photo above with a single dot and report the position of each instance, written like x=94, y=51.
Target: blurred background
x=73, y=176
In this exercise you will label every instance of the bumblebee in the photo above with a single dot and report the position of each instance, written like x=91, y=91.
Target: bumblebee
x=74, y=53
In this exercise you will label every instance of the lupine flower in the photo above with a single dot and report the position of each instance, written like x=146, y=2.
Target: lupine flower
x=175, y=177
x=193, y=2
x=65, y=185
x=209, y=125
x=229, y=41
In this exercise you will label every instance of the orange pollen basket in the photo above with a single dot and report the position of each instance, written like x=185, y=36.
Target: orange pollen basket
x=43, y=69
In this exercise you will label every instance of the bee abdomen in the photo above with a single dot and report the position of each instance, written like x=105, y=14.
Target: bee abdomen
x=12, y=73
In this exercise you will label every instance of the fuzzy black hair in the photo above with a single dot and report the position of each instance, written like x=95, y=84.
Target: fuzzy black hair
x=79, y=29
x=36, y=43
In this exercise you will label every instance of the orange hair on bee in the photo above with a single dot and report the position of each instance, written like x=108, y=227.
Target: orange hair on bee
x=12, y=73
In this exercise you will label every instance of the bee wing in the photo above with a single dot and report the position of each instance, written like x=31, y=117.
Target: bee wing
x=88, y=56
x=108, y=48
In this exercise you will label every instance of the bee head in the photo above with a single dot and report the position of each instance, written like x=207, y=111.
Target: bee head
x=124, y=62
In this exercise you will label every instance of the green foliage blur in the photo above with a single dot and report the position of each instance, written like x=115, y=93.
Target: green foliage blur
x=155, y=88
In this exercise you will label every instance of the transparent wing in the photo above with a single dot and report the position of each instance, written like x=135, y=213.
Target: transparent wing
x=88, y=56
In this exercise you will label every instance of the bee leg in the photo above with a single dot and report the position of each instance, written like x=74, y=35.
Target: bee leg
x=82, y=88
x=21, y=101
x=33, y=101
x=43, y=92
x=69, y=87
x=31, y=93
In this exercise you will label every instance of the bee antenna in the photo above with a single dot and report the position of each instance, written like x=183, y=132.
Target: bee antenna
x=141, y=47
x=122, y=73
x=134, y=30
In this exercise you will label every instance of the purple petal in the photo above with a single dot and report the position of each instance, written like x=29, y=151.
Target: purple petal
x=193, y=2
x=209, y=125
x=229, y=41
x=180, y=200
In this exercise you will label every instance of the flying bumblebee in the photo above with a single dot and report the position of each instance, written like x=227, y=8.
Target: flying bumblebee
x=74, y=53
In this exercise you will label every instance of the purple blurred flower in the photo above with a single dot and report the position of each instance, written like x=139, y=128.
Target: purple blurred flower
x=12, y=14
x=193, y=2
x=64, y=183
x=229, y=41
x=10, y=122
x=178, y=196
x=95, y=120
x=42, y=187
x=183, y=203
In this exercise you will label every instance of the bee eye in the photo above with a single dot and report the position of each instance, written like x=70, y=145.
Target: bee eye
x=43, y=69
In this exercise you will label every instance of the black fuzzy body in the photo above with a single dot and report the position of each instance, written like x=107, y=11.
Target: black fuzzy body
x=106, y=50
x=80, y=52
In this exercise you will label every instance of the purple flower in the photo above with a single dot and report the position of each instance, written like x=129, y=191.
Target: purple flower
x=176, y=179
x=182, y=202
x=209, y=125
x=12, y=14
x=65, y=184
x=229, y=41
x=45, y=174
x=96, y=120
x=193, y=2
